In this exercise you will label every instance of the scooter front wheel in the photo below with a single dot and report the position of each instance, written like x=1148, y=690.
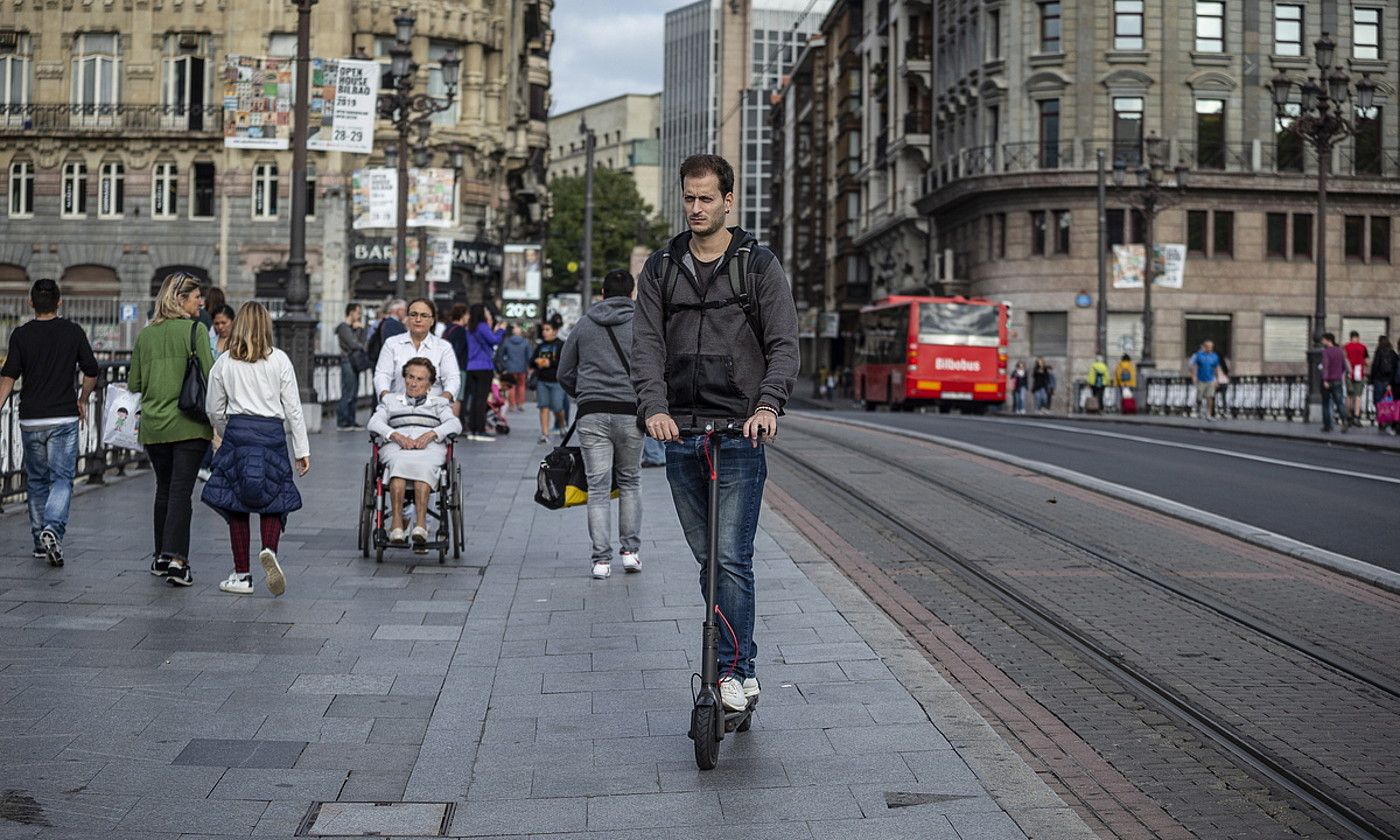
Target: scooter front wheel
x=704, y=726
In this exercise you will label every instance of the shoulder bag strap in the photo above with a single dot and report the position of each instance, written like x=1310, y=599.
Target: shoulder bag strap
x=194, y=336
x=617, y=345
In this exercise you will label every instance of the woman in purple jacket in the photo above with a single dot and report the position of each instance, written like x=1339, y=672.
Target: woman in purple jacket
x=482, y=336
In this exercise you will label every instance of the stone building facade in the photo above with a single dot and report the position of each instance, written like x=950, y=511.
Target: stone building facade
x=627, y=132
x=111, y=143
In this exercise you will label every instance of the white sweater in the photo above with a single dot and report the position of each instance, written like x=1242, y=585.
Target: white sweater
x=266, y=388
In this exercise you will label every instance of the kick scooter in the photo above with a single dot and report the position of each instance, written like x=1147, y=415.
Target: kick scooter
x=709, y=720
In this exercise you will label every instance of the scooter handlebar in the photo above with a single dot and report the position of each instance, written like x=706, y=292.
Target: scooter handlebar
x=732, y=428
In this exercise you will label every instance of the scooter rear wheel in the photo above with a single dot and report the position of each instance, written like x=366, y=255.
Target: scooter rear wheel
x=703, y=724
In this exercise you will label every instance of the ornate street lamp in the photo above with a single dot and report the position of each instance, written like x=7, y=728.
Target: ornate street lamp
x=1322, y=119
x=585, y=283
x=1152, y=194
x=296, y=329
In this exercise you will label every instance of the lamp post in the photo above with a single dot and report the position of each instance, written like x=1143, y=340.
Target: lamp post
x=1152, y=195
x=585, y=283
x=407, y=110
x=1321, y=120
x=1101, y=310
x=296, y=329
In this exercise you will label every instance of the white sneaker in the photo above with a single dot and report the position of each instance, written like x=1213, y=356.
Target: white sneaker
x=276, y=581
x=601, y=571
x=481, y=438
x=398, y=536
x=237, y=584
x=203, y=474
x=631, y=562
x=731, y=694
x=751, y=689
x=418, y=535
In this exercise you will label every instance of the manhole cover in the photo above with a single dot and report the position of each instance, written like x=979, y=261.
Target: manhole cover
x=377, y=819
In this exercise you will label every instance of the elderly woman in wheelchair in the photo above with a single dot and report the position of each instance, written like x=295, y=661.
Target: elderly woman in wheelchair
x=414, y=427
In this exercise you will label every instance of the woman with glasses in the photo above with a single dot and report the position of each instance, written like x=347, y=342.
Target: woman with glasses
x=174, y=441
x=418, y=343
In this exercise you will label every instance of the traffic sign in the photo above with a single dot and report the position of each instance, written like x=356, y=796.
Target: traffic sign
x=130, y=312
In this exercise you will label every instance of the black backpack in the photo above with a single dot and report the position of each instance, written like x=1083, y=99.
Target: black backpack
x=376, y=344
x=737, y=269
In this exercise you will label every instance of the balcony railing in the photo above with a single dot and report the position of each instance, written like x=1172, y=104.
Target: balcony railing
x=208, y=119
x=917, y=49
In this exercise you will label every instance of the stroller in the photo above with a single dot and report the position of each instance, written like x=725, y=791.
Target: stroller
x=496, y=408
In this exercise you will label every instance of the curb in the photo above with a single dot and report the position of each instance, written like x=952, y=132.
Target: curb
x=1223, y=428
x=1340, y=563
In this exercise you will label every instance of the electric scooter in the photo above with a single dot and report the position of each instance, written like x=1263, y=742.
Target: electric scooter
x=709, y=720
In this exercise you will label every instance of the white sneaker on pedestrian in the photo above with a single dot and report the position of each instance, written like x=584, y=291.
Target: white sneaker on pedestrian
x=601, y=571
x=237, y=584
x=631, y=562
x=481, y=438
x=276, y=581
x=731, y=694
x=751, y=689
x=542, y=439
x=203, y=474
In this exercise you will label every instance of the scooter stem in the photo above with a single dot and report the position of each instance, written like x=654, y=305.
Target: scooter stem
x=709, y=667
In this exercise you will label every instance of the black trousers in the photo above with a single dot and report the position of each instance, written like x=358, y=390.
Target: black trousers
x=176, y=466
x=478, y=389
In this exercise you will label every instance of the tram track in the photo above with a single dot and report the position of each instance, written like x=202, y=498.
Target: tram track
x=1332, y=807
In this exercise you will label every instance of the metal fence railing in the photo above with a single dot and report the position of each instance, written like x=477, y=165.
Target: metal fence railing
x=1284, y=398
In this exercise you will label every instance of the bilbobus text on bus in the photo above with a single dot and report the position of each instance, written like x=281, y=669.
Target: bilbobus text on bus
x=943, y=351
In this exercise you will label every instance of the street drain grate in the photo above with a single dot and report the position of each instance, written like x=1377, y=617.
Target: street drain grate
x=377, y=819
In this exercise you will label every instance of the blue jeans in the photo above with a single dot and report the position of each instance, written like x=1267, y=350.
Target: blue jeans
x=1018, y=400
x=611, y=445
x=349, y=392
x=1333, y=393
x=50, y=462
x=743, y=470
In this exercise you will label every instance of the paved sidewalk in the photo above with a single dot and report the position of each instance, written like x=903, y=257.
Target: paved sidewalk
x=509, y=688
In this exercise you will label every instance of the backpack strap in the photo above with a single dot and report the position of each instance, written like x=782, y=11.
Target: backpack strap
x=737, y=270
x=739, y=285
x=617, y=345
x=669, y=271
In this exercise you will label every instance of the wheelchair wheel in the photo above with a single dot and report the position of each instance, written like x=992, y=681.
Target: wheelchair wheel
x=366, y=511
x=459, y=539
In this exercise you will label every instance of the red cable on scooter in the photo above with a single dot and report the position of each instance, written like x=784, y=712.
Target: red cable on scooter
x=733, y=666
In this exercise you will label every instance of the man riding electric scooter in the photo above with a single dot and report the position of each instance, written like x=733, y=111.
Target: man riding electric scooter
x=715, y=348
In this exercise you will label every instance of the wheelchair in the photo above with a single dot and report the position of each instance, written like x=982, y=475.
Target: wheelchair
x=444, y=509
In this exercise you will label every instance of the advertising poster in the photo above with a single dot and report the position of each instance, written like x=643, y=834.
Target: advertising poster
x=439, y=260
x=257, y=102
x=342, y=106
x=373, y=198
x=521, y=272
x=431, y=197
x=1169, y=269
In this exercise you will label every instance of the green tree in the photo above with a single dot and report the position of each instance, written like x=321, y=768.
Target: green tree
x=621, y=221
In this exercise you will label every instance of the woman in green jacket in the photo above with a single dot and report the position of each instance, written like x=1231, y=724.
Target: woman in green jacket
x=174, y=441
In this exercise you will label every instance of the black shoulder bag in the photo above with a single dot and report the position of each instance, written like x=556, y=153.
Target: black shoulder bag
x=562, y=481
x=195, y=388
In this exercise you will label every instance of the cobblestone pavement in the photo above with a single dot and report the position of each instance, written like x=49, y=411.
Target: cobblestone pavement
x=1055, y=705
x=509, y=687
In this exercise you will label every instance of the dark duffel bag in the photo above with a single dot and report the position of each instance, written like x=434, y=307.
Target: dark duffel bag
x=562, y=481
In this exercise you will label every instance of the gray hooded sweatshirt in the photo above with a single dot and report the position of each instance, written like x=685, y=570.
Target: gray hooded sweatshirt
x=703, y=364
x=590, y=368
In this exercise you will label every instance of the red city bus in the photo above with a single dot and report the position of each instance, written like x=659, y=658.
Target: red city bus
x=942, y=351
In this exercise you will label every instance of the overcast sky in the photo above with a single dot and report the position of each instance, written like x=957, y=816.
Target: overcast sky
x=603, y=48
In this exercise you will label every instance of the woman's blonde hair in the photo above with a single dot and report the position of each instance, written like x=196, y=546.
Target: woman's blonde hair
x=177, y=286
x=250, y=340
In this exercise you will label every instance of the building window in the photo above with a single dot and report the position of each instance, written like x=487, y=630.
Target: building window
x=14, y=80
x=265, y=191
x=1276, y=235
x=202, y=190
x=1039, y=224
x=1127, y=130
x=1366, y=34
x=1210, y=133
x=1050, y=134
x=111, y=190
x=1354, y=238
x=21, y=188
x=1223, y=228
x=1367, y=147
x=993, y=34
x=1288, y=29
x=1049, y=333
x=1113, y=226
x=1286, y=338
x=1210, y=26
x=1288, y=147
x=185, y=82
x=75, y=182
x=1127, y=25
x=1196, y=223
x=998, y=243
x=284, y=44
x=1062, y=220
x=96, y=73
x=1050, y=27
x=164, y=190
x=1302, y=235
x=1380, y=239
x=438, y=83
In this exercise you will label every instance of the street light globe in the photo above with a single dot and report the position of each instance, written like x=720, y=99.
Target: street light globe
x=1325, y=49
x=1365, y=92
x=403, y=26
x=1283, y=88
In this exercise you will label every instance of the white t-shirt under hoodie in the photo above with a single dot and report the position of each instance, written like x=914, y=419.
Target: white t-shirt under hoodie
x=267, y=388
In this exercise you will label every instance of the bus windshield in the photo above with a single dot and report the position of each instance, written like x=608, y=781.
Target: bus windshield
x=966, y=324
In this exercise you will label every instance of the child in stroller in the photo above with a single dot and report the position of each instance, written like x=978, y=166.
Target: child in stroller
x=496, y=408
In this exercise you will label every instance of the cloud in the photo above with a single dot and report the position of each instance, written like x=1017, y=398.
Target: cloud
x=605, y=48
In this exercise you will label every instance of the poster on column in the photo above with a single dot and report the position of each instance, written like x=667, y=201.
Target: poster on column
x=257, y=93
x=431, y=194
x=1168, y=270
x=521, y=272
x=374, y=197
x=440, y=249
x=342, y=107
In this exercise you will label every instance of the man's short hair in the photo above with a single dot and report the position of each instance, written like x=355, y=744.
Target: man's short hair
x=350, y=308
x=1329, y=337
x=44, y=295
x=618, y=283
x=1355, y=334
x=698, y=166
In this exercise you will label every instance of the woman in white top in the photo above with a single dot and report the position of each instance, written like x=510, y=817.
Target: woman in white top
x=414, y=426
x=252, y=396
x=418, y=343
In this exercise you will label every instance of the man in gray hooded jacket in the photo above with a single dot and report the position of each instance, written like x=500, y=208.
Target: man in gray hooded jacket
x=595, y=370
x=716, y=339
